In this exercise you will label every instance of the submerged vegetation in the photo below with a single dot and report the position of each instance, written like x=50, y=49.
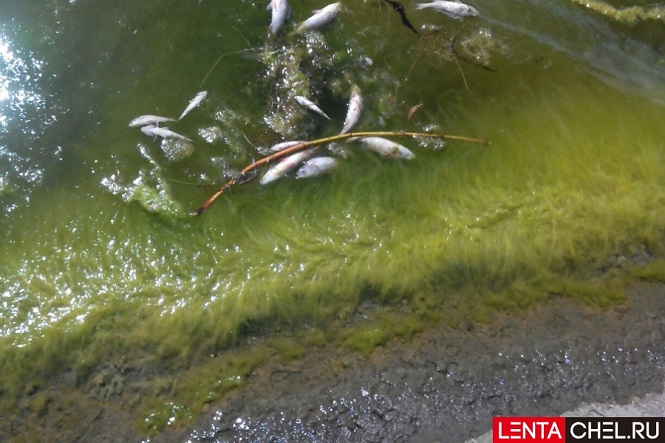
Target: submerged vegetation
x=628, y=15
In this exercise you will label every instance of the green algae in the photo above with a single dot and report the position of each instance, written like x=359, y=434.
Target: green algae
x=380, y=329
x=522, y=294
x=207, y=381
x=653, y=272
x=39, y=404
x=396, y=244
x=629, y=15
x=288, y=349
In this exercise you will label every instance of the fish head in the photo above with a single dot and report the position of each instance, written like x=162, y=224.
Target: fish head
x=470, y=11
x=148, y=129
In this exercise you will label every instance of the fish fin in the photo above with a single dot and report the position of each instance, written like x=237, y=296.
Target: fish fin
x=419, y=6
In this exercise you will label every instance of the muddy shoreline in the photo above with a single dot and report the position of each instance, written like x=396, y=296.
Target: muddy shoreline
x=444, y=384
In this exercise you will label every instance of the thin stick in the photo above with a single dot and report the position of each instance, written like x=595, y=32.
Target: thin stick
x=304, y=145
x=219, y=59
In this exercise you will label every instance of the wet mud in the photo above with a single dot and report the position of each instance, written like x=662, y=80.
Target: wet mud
x=443, y=385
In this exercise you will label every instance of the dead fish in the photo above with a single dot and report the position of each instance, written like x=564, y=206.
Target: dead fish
x=147, y=130
x=289, y=11
x=193, y=103
x=317, y=166
x=321, y=17
x=280, y=9
x=310, y=105
x=154, y=131
x=285, y=166
x=354, y=110
x=284, y=145
x=149, y=120
x=386, y=148
x=454, y=9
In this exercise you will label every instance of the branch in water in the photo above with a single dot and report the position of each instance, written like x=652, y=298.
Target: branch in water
x=241, y=177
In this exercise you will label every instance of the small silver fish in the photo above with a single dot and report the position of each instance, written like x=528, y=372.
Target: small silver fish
x=304, y=102
x=193, y=103
x=147, y=130
x=289, y=11
x=321, y=17
x=354, y=110
x=454, y=9
x=280, y=9
x=317, y=166
x=284, y=145
x=149, y=120
x=285, y=166
x=154, y=131
x=386, y=148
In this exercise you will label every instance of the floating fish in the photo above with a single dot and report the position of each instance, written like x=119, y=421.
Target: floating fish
x=310, y=105
x=317, y=166
x=193, y=103
x=284, y=145
x=454, y=9
x=354, y=110
x=285, y=166
x=149, y=120
x=147, y=130
x=154, y=131
x=289, y=11
x=280, y=9
x=386, y=148
x=321, y=17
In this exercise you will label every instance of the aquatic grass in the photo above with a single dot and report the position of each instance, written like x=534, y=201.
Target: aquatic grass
x=483, y=214
x=653, y=272
x=380, y=327
x=629, y=15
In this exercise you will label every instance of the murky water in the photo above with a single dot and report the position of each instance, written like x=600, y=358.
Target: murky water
x=101, y=257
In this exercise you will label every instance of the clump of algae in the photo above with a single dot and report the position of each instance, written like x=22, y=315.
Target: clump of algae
x=150, y=188
x=653, y=272
x=629, y=16
x=204, y=383
x=385, y=327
